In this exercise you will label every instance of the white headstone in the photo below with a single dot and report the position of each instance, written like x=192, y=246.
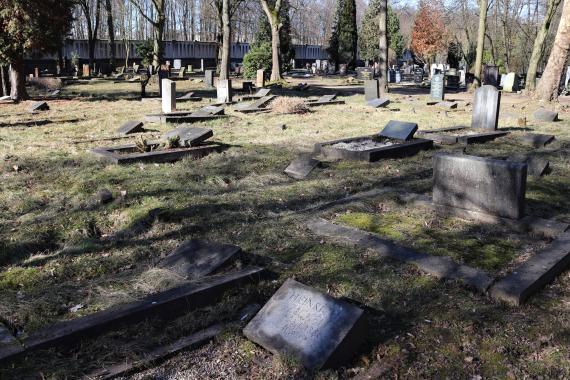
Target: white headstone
x=224, y=91
x=168, y=96
x=509, y=84
x=462, y=77
x=201, y=65
x=432, y=69
x=177, y=64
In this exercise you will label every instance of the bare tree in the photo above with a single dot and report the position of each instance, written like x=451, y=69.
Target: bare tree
x=92, y=13
x=157, y=23
x=480, y=42
x=383, y=45
x=111, y=30
x=272, y=14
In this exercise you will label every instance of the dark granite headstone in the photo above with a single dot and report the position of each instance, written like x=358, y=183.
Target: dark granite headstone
x=452, y=81
x=437, y=91
x=209, y=78
x=399, y=130
x=489, y=186
x=247, y=86
x=371, y=89
x=311, y=326
x=391, y=76
x=131, y=126
x=537, y=140
x=38, y=106
x=209, y=111
x=491, y=76
x=376, y=103
x=198, y=258
x=301, y=167
x=189, y=136
x=545, y=115
x=418, y=76
x=486, y=105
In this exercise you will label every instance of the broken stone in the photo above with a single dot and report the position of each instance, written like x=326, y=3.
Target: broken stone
x=301, y=167
x=189, y=136
x=376, y=103
x=537, y=140
x=131, y=126
x=38, y=106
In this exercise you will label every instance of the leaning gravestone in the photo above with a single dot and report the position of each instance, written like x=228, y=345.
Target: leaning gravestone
x=545, y=115
x=168, y=96
x=377, y=103
x=486, y=104
x=511, y=83
x=301, y=167
x=371, y=89
x=437, y=87
x=198, y=258
x=38, y=106
x=399, y=130
x=537, y=140
x=131, y=126
x=488, y=186
x=209, y=78
x=224, y=91
x=308, y=325
x=189, y=136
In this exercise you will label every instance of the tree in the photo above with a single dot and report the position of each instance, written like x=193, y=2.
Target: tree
x=333, y=48
x=550, y=82
x=158, y=28
x=538, y=48
x=480, y=43
x=370, y=32
x=92, y=13
x=258, y=57
x=263, y=35
x=428, y=32
x=226, y=40
x=30, y=24
x=383, y=46
x=111, y=31
x=273, y=14
x=343, y=44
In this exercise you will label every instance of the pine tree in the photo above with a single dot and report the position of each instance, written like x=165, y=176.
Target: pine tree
x=333, y=41
x=343, y=44
x=370, y=32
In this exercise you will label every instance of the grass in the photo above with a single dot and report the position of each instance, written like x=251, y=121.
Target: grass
x=58, y=251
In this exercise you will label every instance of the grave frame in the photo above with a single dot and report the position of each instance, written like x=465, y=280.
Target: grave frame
x=441, y=136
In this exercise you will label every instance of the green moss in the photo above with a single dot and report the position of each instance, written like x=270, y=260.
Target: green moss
x=19, y=278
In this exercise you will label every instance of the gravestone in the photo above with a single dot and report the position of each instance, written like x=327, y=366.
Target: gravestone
x=398, y=76
x=136, y=68
x=86, y=71
x=168, y=96
x=537, y=140
x=38, y=106
x=301, y=167
x=177, y=64
x=418, y=76
x=399, y=130
x=491, y=75
x=342, y=69
x=567, y=77
x=209, y=78
x=308, y=325
x=36, y=72
x=202, y=65
x=189, y=136
x=536, y=166
x=162, y=74
x=489, y=186
x=462, y=78
x=437, y=87
x=486, y=104
x=190, y=69
x=131, y=126
x=260, y=79
x=198, y=258
x=209, y=111
x=377, y=103
x=391, y=76
x=452, y=81
x=447, y=105
x=181, y=72
x=187, y=96
x=545, y=115
x=511, y=83
x=371, y=89
x=225, y=91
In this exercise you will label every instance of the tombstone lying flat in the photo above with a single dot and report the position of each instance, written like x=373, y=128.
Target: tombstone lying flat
x=131, y=126
x=537, y=140
x=301, y=167
x=376, y=103
x=399, y=130
x=256, y=106
x=209, y=111
x=198, y=258
x=325, y=100
x=447, y=105
x=188, y=97
x=189, y=136
x=460, y=134
x=311, y=326
x=545, y=115
x=38, y=106
x=536, y=167
x=262, y=92
x=205, y=113
x=483, y=185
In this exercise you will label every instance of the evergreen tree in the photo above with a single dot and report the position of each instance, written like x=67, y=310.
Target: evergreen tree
x=370, y=32
x=343, y=44
x=333, y=41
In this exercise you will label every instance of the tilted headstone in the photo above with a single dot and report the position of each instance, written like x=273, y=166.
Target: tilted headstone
x=131, y=126
x=308, y=325
x=260, y=79
x=326, y=98
x=198, y=258
x=377, y=103
x=301, y=167
x=262, y=92
x=399, y=130
x=437, y=91
x=225, y=91
x=38, y=106
x=371, y=89
x=545, y=115
x=188, y=95
x=189, y=136
x=209, y=78
x=181, y=72
x=168, y=96
x=511, y=82
x=536, y=166
x=447, y=105
x=486, y=105
x=489, y=186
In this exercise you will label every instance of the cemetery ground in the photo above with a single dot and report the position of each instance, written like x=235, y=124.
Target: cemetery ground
x=66, y=254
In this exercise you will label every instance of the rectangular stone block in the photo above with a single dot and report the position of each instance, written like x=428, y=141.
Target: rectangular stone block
x=437, y=90
x=371, y=89
x=494, y=187
x=189, y=136
x=260, y=79
x=225, y=91
x=168, y=96
x=377, y=103
x=209, y=78
x=511, y=83
x=399, y=130
x=301, y=167
x=311, y=326
x=486, y=104
x=131, y=126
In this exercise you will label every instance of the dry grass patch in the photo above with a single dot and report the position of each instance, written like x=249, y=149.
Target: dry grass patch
x=285, y=105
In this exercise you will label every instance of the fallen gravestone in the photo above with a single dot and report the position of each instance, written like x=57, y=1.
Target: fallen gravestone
x=131, y=126
x=38, y=106
x=437, y=91
x=261, y=93
x=301, y=167
x=256, y=106
x=536, y=167
x=198, y=258
x=308, y=325
x=399, y=130
x=545, y=115
x=209, y=111
x=189, y=96
x=377, y=103
x=371, y=89
x=325, y=100
x=486, y=104
x=189, y=136
x=537, y=140
x=482, y=185
x=447, y=105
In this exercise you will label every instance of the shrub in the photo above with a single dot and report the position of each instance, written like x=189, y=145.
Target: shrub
x=259, y=57
x=284, y=105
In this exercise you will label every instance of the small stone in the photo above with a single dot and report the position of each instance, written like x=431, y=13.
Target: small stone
x=282, y=126
x=545, y=115
x=104, y=196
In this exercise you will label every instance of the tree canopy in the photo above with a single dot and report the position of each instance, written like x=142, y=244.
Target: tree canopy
x=370, y=32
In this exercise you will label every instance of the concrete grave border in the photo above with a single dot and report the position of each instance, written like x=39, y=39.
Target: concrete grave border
x=438, y=135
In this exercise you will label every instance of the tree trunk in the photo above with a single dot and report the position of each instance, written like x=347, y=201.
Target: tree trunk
x=18, y=80
x=480, y=43
x=383, y=45
x=538, y=48
x=226, y=41
x=550, y=81
x=4, y=79
x=158, y=32
x=275, y=48
x=111, y=29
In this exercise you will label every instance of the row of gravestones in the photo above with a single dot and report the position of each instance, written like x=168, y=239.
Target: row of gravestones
x=209, y=78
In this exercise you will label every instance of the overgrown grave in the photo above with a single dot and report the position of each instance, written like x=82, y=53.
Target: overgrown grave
x=324, y=101
x=259, y=105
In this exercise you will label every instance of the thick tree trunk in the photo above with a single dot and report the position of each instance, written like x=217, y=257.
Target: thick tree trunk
x=538, y=49
x=383, y=45
x=91, y=43
x=4, y=79
x=111, y=32
x=550, y=81
x=18, y=81
x=158, y=32
x=480, y=43
x=275, y=56
x=226, y=41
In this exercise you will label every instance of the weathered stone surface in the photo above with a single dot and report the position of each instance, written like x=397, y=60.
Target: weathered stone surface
x=38, y=106
x=511, y=83
x=255, y=106
x=486, y=104
x=209, y=78
x=301, y=167
x=224, y=91
x=198, y=258
x=260, y=79
x=447, y=105
x=168, y=96
x=491, y=75
x=547, y=228
x=376, y=103
x=9, y=345
x=537, y=140
x=189, y=136
x=545, y=115
x=536, y=166
x=311, y=326
x=494, y=187
x=535, y=273
x=399, y=130
x=371, y=89
x=209, y=111
x=437, y=90
x=131, y=126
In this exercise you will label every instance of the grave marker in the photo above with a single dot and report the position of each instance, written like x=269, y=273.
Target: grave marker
x=491, y=76
x=399, y=130
x=371, y=89
x=260, y=79
x=131, y=126
x=38, y=106
x=168, y=96
x=486, y=104
x=376, y=103
x=225, y=91
x=511, y=83
x=301, y=167
x=545, y=115
x=209, y=78
x=189, y=136
x=437, y=91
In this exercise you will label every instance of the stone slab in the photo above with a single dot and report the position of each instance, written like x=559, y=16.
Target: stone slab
x=536, y=166
x=255, y=106
x=38, y=106
x=309, y=325
x=438, y=266
x=399, y=130
x=131, y=126
x=224, y=91
x=301, y=167
x=209, y=78
x=9, y=345
x=486, y=105
x=371, y=90
x=168, y=96
x=545, y=115
x=537, y=140
x=484, y=185
x=535, y=273
x=437, y=88
x=547, y=228
x=198, y=258
x=189, y=136
x=128, y=153
x=377, y=103
x=447, y=105
x=209, y=111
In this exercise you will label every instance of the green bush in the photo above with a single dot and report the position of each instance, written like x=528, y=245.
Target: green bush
x=259, y=57
x=145, y=50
